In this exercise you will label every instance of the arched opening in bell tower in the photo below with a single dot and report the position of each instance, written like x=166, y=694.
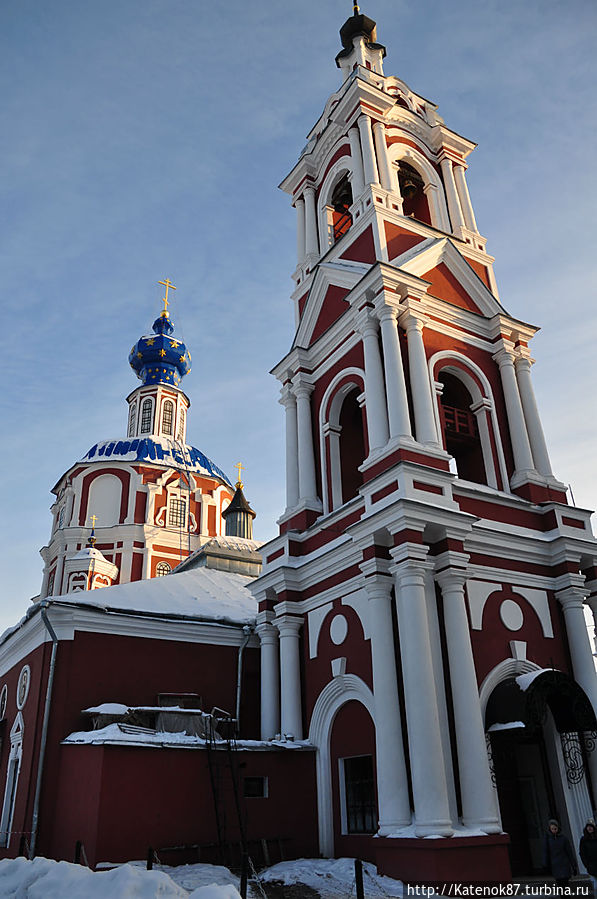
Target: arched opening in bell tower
x=460, y=430
x=341, y=202
x=412, y=190
x=352, y=445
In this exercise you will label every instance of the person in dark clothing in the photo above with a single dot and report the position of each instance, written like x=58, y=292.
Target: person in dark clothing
x=588, y=852
x=558, y=857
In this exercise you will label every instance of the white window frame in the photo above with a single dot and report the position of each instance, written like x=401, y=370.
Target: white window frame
x=146, y=399
x=132, y=426
x=172, y=410
x=13, y=770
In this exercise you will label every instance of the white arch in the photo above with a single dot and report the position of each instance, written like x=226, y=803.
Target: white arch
x=502, y=671
x=342, y=166
x=338, y=692
x=335, y=500
x=478, y=396
x=434, y=188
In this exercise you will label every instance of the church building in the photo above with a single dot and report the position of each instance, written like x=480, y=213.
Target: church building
x=404, y=674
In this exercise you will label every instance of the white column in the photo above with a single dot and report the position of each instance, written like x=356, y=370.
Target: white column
x=476, y=789
x=300, y=230
x=59, y=571
x=419, y=381
x=288, y=400
x=523, y=459
x=430, y=792
x=454, y=209
x=306, y=458
x=381, y=148
x=311, y=239
x=464, y=197
x=358, y=182
x=392, y=781
x=399, y=419
x=270, y=677
x=290, y=675
x=369, y=163
x=572, y=600
x=375, y=396
x=532, y=418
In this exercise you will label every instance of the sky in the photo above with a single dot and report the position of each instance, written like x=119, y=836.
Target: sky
x=145, y=139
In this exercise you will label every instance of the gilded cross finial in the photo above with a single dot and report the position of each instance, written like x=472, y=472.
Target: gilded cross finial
x=239, y=468
x=93, y=520
x=169, y=286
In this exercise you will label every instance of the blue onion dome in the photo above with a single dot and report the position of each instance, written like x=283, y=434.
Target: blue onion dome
x=160, y=358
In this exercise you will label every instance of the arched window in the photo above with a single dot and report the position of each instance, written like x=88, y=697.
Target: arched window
x=341, y=202
x=460, y=430
x=414, y=201
x=132, y=419
x=352, y=445
x=161, y=569
x=181, y=422
x=167, y=417
x=146, y=416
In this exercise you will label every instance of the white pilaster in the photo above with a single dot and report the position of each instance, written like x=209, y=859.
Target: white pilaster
x=523, y=459
x=300, y=230
x=311, y=238
x=430, y=793
x=306, y=458
x=532, y=417
x=288, y=400
x=572, y=600
x=476, y=789
x=377, y=417
x=398, y=416
x=392, y=782
x=420, y=385
x=464, y=197
x=456, y=216
x=368, y=150
x=381, y=148
x=290, y=675
x=270, y=676
x=358, y=182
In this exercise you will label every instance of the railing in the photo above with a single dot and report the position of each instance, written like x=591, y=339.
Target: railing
x=459, y=422
x=341, y=225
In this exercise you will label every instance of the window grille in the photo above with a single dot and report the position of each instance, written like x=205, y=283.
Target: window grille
x=146, y=416
x=180, y=435
x=167, y=417
x=161, y=569
x=361, y=812
x=177, y=512
x=132, y=417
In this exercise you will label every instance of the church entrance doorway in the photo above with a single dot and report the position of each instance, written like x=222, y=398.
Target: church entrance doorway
x=525, y=794
x=541, y=726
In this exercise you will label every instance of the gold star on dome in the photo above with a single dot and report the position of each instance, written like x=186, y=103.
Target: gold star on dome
x=151, y=341
x=132, y=349
x=139, y=355
x=174, y=343
x=162, y=352
x=182, y=358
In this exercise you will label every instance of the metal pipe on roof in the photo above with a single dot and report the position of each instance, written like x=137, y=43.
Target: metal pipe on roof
x=247, y=632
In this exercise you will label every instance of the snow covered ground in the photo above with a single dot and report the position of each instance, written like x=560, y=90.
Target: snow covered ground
x=46, y=879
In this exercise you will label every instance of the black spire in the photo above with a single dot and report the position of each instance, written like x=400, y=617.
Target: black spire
x=239, y=515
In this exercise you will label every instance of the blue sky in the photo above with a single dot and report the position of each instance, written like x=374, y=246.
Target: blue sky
x=145, y=139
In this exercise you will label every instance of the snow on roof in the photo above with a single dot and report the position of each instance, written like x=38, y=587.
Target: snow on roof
x=203, y=593
x=155, y=449
x=143, y=736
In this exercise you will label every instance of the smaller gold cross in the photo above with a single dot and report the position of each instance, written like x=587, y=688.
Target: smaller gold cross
x=239, y=468
x=93, y=520
x=169, y=286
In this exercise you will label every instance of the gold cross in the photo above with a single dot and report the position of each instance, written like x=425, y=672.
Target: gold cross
x=169, y=286
x=93, y=520
x=239, y=468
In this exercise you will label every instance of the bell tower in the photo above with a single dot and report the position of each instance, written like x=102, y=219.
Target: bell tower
x=426, y=553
